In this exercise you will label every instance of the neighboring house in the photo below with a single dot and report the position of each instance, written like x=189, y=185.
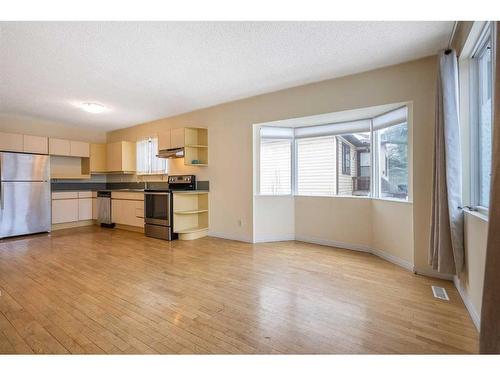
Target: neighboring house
x=353, y=164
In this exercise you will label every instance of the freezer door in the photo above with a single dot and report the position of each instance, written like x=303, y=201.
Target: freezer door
x=24, y=208
x=24, y=167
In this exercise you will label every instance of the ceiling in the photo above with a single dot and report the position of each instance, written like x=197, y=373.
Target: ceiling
x=142, y=71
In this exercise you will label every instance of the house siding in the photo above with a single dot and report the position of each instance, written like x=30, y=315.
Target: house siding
x=345, y=181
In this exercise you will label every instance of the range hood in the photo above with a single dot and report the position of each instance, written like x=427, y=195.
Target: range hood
x=171, y=153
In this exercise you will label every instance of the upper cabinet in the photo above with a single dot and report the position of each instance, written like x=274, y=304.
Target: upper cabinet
x=79, y=149
x=177, y=138
x=23, y=143
x=59, y=147
x=11, y=142
x=120, y=157
x=98, y=159
x=193, y=140
x=35, y=144
x=65, y=147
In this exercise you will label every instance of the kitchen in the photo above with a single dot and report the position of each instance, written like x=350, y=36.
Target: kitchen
x=51, y=183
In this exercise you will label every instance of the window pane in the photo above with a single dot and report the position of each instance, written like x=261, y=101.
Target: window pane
x=142, y=156
x=275, y=166
x=392, y=147
x=354, y=166
x=484, y=124
x=316, y=166
x=158, y=165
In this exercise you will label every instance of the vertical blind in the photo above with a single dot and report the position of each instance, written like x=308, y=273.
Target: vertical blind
x=316, y=166
x=147, y=162
x=275, y=166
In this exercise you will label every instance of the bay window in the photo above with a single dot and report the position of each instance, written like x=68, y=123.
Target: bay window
x=367, y=157
x=275, y=161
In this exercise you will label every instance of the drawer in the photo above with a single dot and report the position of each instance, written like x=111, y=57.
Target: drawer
x=127, y=195
x=65, y=195
x=84, y=194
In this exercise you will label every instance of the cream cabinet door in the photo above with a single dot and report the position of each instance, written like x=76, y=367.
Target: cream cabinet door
x=98, y=160
x=11, y=142
x=64, y=211
x=132, y=212
x=114, y=156
x=164, y=140
x=94, y=208
x=60, y=147
x=116, y=211
x=127, y=212
x=177, y=138
x=84, y=208
x=35, y=145
x=81, y=149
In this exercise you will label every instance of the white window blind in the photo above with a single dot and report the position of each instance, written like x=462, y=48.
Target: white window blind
x=147, y=162
x=275, y=166
x=316, y=166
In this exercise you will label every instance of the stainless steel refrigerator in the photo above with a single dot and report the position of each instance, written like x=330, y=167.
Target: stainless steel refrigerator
x=24, y=194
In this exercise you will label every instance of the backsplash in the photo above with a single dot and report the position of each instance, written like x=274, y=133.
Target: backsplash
x=61, y=185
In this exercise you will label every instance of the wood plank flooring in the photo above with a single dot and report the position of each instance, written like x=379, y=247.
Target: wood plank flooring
x=92, y=290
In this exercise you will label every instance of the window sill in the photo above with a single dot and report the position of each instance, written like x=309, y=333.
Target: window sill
x=479, y=215
x=336, y=197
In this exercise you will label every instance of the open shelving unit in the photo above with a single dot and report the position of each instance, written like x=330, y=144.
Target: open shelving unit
x=196, y=146
x=191, y=214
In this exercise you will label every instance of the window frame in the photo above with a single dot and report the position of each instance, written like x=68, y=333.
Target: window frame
x=292, y=168
x=151, y=153
x=346, y=159
x=306, y=122
x=485, y=37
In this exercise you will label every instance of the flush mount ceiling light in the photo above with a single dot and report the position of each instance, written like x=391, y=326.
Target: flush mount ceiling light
x=92, y=107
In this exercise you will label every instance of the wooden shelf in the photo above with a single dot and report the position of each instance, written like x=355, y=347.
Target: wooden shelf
x=197, y=165
x=192, y=212
x=197, y=146
x=192, y=230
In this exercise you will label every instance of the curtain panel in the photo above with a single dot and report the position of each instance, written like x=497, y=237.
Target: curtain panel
x=447, y=236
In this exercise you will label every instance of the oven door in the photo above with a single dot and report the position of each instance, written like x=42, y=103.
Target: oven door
x=157, y=208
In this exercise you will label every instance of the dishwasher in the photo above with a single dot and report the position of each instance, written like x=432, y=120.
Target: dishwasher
x=104, y=209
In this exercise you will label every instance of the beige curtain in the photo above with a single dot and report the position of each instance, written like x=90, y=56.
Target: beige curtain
x=446, y=248
x=490, y=312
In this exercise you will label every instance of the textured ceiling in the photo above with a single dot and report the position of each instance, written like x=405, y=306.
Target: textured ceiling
x=148, y=70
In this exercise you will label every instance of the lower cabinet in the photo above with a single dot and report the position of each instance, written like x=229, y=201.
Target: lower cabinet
x=64, y=210
x=127, y=212
x=85, y=209
x=71, y=206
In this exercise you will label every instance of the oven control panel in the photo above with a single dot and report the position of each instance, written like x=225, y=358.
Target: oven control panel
x=183, y=179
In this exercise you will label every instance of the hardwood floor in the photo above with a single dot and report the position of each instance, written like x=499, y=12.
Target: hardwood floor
x=92, y=290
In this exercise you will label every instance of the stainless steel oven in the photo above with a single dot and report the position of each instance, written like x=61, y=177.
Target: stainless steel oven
x=158, y=207
x=158, y=214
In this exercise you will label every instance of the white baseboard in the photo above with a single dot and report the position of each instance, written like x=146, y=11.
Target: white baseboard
x=288, y=237
x=476, y=318
x=229, y=237
x=393, y=259
x=432, y=273
x=332, y=243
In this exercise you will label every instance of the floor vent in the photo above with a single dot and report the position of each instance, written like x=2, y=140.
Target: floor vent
x=440, y=292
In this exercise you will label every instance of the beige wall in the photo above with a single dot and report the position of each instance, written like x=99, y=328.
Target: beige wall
x=392, y=230
x=274, y=218
x=230, y=138
x=35, y=126
x=335, y=221
x=470, y=282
